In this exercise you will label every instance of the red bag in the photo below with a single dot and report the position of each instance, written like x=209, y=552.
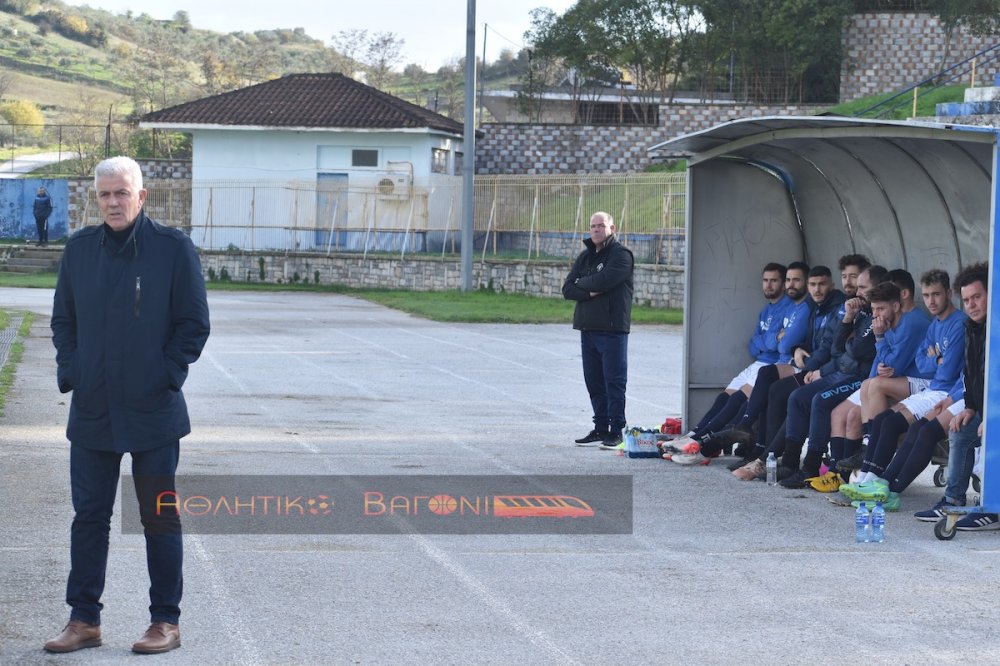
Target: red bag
x=671, y=426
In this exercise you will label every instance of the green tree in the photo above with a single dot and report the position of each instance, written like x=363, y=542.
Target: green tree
x=25, y=115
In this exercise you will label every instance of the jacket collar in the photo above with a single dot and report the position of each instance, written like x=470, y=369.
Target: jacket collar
x=133, y=238
x=611, y=240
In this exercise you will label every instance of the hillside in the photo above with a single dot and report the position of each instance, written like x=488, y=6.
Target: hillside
x=79, y=63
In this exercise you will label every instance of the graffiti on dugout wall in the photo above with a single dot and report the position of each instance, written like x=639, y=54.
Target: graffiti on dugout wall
x=17, y=197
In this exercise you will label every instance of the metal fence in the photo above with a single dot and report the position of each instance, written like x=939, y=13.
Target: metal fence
x=516, y=216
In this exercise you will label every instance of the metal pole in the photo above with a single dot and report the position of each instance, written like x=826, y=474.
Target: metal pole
x=482, y=79
x=469, y=146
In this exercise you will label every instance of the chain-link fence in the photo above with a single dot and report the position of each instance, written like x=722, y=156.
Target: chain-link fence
x=516, y=216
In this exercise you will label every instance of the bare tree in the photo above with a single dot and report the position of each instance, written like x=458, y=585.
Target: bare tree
x=81, y=136
x=5, y=83
x=349, y=46
x=384, y=51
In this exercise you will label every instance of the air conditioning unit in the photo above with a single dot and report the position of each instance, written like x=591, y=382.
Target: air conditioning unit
x=394, y=185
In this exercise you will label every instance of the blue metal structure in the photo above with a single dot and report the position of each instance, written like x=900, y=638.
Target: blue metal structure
x=17, y=196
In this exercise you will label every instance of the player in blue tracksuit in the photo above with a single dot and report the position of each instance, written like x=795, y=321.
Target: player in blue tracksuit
x=763, y=348
x=809, y=406
x=796, y=327
x=936, y=364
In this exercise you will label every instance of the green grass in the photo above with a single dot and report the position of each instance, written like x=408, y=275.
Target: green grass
x=452, y=306
x=925, y=103
x=558, y=208
x=491, y=307
x=9, y=369
x=32, y=280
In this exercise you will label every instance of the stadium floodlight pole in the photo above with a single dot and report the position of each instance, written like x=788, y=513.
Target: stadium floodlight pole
x=468, y=146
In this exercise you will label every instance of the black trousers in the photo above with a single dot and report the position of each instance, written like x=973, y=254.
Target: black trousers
x=42, y=224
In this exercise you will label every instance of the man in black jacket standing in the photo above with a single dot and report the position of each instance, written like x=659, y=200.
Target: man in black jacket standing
x=129, y=315
x=601, y=284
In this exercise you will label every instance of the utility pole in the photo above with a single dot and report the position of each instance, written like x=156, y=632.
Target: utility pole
x=469, y=147
x=482, y=79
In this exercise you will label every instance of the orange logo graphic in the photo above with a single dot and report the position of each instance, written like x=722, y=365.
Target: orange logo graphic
x=320, y=505
x=540, y=506
x=442, y=505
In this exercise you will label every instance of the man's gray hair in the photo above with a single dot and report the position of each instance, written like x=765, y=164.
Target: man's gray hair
x=610, y=221
x=120, y=166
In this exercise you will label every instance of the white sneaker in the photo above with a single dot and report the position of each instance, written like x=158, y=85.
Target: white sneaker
x=682, y=445
x=689, y=459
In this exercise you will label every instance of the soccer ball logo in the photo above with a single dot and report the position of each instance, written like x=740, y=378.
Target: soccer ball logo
x=320, y=505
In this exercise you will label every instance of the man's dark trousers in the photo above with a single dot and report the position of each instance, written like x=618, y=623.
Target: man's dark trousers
x=94, y=483
x=605, y=370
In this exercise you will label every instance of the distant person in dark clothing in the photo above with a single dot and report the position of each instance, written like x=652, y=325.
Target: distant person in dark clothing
x=601, y=284
x=42, y=209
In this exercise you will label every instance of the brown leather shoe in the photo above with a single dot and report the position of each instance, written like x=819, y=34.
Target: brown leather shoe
x=160, y=637
x=76, y=635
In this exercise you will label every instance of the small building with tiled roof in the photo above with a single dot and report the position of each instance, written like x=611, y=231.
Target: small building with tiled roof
x=365, y=159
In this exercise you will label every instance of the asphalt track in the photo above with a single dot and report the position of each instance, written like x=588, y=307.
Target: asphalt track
x=717, y=571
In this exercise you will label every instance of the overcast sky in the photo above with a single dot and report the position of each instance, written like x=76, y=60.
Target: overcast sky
x=434, y=31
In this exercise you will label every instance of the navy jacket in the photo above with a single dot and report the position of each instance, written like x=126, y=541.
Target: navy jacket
x=127, y=320
x=608, y=271
x=854, y=347
x=824, y=324
x=42, y=207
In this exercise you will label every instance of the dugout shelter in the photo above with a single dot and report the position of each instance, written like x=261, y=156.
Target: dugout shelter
x=906, y=194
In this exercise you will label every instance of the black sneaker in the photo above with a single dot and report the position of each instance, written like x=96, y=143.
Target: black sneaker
x=740, y=462
x=611, y=442
x=593, y=438
x=854, y=462
x=975, y=522
x=796, y=480
x=936, y=512
x=734, y=436
x=784, y=472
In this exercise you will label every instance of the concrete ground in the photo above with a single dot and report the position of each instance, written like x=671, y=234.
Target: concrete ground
x=717, y=571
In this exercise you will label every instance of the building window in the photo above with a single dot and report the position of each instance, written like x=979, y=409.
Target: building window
x=459, y=163
x=439, y=160
x=364, y=157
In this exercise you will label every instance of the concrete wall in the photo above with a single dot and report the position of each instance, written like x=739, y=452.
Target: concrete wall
x=660, y=286
x=556, y=148
x=890, y=51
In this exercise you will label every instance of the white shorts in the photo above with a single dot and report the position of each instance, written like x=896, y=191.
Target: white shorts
x=918, y=384
x=748, y=376
x=923, y=402
x=956, y=407
x=855, y=397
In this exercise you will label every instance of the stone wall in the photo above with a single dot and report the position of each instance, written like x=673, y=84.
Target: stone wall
x=78, y=189
x=659, y=286
x=557, y=148
x=891, y=51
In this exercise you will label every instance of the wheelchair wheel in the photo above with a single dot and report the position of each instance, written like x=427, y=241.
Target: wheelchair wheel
x=939, y=477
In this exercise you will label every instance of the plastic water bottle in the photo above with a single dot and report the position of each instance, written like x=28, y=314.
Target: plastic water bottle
x=772, y=469
x=878, y=523
x=862, y=528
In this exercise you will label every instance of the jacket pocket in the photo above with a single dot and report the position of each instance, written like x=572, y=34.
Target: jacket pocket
x=147, y=386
